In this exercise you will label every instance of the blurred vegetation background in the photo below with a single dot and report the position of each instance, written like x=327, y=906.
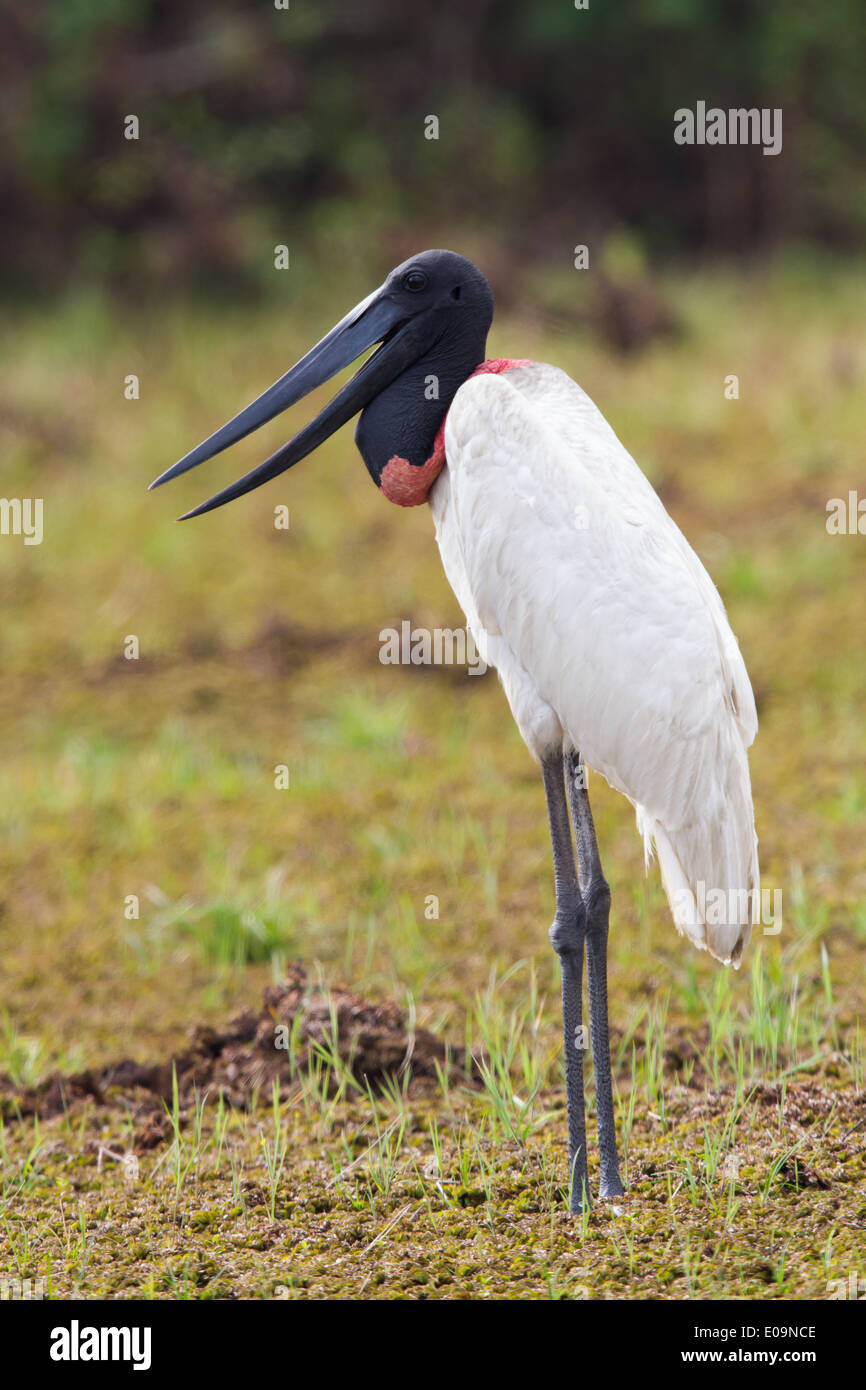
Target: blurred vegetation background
x=155, y=257
x=305, y=125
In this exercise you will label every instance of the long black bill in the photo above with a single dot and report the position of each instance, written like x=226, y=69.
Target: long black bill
x=374, y=320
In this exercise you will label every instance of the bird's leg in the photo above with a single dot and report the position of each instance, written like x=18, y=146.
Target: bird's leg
x=596, y=900
x=567, y=936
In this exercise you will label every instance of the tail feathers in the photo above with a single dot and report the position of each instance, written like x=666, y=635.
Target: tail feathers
x=710, y=874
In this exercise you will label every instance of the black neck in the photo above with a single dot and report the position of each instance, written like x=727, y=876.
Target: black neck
x=403, y=420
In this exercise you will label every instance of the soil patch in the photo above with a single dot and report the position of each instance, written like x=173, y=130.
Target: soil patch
x=295, y=1027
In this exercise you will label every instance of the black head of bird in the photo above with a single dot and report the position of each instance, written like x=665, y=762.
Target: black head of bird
x=430, y=318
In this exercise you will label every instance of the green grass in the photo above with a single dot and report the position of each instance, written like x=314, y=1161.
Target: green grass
x=152, y=783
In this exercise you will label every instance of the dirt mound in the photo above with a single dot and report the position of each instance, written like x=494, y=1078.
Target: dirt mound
x=295, y=1027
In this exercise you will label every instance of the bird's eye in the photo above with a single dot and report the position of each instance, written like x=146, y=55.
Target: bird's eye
x=414, y=280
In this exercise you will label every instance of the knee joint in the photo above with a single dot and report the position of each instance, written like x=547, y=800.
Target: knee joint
x=568, y=932
x=597, y=902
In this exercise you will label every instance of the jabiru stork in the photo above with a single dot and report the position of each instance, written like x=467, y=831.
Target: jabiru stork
x=609, y=637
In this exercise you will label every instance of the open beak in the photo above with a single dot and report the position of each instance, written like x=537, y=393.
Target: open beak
x=375, y=320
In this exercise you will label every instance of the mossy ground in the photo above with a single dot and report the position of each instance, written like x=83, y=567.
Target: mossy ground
x=740, y=1095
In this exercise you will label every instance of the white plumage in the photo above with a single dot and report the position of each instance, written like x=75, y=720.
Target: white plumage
x=606, y=630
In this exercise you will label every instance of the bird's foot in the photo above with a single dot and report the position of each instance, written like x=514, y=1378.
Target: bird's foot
x=579, y=1200
x=611, y=1187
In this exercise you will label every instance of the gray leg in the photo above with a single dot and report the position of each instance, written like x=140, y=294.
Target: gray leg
x=596, y=900
x=567, y=936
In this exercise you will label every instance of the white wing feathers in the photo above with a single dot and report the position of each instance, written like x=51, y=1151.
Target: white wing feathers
x=607, y=631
